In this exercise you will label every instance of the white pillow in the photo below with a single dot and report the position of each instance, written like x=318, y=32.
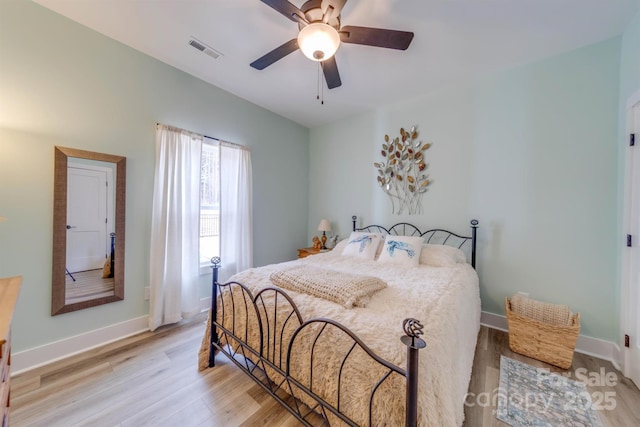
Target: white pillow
x=339, y=247
x=441, y=255
x=362, y=245
x=401, y=250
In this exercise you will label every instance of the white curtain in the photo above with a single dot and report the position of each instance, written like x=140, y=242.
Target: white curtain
x=174, y=263
x=236, y=229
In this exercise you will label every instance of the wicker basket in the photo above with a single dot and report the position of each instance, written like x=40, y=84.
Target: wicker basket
x=550, y=343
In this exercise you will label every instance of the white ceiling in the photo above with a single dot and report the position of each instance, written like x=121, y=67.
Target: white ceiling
x=454, y=40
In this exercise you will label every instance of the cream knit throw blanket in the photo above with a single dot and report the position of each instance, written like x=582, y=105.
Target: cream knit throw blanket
x=346, y=289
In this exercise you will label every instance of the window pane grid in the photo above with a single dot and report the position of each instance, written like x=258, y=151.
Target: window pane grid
x=209, y=203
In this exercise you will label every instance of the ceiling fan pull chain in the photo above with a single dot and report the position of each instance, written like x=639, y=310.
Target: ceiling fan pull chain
x=320, y=87
x=318, y=82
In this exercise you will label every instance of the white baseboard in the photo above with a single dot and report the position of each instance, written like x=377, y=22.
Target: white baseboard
x=596, y=347
x=57, y=350
x=494, y=321
x=49, y=353
x=205, y=304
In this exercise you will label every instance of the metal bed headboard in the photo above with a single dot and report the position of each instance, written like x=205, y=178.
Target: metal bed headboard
x=435, y=236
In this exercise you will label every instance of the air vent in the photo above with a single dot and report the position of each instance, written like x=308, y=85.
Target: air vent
x=204, y=48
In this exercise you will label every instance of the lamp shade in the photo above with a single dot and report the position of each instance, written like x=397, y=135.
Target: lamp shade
x=318, y=41
x=324, y=225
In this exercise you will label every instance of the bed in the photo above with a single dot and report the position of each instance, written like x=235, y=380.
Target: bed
x=340, y=361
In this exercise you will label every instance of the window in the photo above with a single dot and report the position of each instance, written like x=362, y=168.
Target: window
x=209, y=204
x=201, y=193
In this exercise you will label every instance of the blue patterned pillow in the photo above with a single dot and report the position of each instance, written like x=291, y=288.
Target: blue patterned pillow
x=362, y=245
x=401, y=250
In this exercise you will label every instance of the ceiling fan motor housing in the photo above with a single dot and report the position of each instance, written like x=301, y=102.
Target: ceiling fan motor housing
x=312, y=10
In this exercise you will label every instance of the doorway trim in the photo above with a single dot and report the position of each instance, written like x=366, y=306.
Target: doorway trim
x=110, y=201
x=628, y=318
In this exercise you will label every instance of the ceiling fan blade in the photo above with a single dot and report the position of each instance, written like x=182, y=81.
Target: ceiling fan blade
x=331, y=74
x=285, y=8
x=337, y=6
x=275, y=55
x=378, y=37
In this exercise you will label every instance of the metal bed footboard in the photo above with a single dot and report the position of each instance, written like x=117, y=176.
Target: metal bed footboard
x=271, y=354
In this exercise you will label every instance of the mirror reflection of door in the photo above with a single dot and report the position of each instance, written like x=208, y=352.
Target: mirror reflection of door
x=89, y=223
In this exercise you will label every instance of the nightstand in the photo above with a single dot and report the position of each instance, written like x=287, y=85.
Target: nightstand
x=305, y=252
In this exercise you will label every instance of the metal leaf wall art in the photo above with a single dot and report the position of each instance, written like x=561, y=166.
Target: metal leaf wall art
x=401, y=173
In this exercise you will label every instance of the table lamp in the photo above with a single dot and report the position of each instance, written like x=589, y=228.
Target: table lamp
x=324, y=226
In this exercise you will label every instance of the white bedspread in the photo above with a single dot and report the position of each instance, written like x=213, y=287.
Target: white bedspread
x=445, y=299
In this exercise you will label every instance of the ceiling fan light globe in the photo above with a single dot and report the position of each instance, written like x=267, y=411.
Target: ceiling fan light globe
x=318, y=41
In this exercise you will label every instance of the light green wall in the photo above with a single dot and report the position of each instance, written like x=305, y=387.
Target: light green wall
x=630, y=60
x=62, y=84
x=530, y=152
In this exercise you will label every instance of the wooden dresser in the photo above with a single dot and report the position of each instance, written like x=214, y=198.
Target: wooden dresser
x=9, y=289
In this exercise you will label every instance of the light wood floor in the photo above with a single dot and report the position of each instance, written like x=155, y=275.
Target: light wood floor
x=87, y=285
x=152, y=380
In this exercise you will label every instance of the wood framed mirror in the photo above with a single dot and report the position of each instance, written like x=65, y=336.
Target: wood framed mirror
x=88, y=229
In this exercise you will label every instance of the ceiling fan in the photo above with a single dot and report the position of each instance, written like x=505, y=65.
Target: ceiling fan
x=320, y=36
